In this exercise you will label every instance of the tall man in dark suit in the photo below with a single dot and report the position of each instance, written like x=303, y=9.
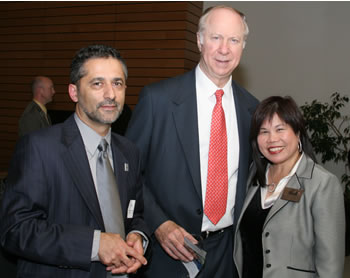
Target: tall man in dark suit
x=52, y=216
x=35, y=114
x=171, y=126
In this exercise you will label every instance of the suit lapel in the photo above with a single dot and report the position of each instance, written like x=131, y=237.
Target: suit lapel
x=44, y=118
x=121, y=169
x=279, y=204
x=250, y=194
x=304, y=171
x=186, y=123
x=78, y=166
x=48, y=118
x=243, y=114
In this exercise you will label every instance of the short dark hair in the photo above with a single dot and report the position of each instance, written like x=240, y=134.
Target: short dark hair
x=288, y=111
x=90, y=52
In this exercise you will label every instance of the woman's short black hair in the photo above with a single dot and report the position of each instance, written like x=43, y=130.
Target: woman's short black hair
x=288, y=111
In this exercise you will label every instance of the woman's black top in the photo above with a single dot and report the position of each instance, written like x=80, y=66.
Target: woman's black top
x=251, y=232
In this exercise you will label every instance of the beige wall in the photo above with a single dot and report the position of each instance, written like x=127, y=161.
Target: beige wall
x=299, y=48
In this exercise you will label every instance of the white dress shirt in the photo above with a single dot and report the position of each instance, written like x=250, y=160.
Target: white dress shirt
x=269, y=202
x=206, y=100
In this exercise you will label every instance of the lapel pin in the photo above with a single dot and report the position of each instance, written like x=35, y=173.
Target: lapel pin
x=126, y=167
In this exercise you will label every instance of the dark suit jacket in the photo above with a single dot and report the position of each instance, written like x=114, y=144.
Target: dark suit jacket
x=164, y=126
x=50, y=208
x=33, y=118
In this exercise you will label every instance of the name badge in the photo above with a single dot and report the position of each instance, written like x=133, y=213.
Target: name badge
x=292, y=194
x=126, y=167
x=131, y=209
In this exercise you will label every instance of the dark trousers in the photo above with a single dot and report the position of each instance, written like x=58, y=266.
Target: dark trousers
x=7, y=264
x=219, y=260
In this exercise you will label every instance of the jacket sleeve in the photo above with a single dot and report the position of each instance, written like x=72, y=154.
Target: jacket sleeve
x=329, y=228
x=30, y=209
x=140, y=132
x=29, y=122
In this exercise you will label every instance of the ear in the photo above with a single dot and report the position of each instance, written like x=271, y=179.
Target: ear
x=199, y=43
x=73, y=92
x=40, y=91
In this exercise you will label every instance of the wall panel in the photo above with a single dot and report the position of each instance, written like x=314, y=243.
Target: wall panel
x=157, y=39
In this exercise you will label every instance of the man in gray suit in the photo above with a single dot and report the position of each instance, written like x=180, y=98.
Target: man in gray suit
x=35, y=114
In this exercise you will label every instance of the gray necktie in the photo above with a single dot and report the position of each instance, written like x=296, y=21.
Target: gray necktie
x=108, y=194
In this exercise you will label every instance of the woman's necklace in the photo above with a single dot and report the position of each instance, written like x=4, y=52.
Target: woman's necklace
x=271, y=187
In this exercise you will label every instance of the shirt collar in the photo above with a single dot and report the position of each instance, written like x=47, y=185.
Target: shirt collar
x=291, y=173
x=41, y=106
x=204, y=84
x=90, y=137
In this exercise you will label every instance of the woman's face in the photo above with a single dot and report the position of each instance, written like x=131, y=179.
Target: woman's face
x=277, y=142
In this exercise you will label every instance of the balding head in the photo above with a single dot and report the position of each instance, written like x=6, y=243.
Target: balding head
x=203, y=20
x=43, y=89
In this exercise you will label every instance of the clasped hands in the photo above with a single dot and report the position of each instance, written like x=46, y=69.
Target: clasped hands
x=121, y=256
x=171, y=238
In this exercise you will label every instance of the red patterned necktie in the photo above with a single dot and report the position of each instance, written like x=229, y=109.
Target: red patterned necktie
x=217, y=181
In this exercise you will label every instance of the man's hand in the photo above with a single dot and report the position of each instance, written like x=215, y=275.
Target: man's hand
x=171, y=237
x=118, y=255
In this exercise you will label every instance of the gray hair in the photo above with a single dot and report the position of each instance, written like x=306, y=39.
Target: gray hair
x=203, y=21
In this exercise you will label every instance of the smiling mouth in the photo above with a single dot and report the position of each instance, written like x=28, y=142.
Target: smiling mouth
x=275, y=150
x=222, y=61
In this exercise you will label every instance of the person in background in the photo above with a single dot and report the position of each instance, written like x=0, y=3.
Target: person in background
x=35, y=115
x=121, y=124
x=186, y=142
x=66, y=184
x=292, y=222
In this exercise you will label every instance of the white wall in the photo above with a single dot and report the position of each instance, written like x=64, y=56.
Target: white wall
x=301, y=49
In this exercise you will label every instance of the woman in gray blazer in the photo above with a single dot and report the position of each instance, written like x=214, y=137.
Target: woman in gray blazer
x=292, y=222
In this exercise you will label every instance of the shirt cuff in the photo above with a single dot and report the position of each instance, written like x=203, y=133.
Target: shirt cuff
x=95, y=246
x=145, y=240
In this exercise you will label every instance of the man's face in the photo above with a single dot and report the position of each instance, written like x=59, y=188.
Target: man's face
x=222, y=45
x=100, y=94
x=47, y=90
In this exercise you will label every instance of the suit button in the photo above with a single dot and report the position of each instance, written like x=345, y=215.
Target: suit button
x=267, y=251
x=199, y=211
x=268, y=265
x=267, y=234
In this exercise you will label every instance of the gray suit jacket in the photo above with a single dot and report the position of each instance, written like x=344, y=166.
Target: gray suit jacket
x=305, y=238
x=33, y=118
